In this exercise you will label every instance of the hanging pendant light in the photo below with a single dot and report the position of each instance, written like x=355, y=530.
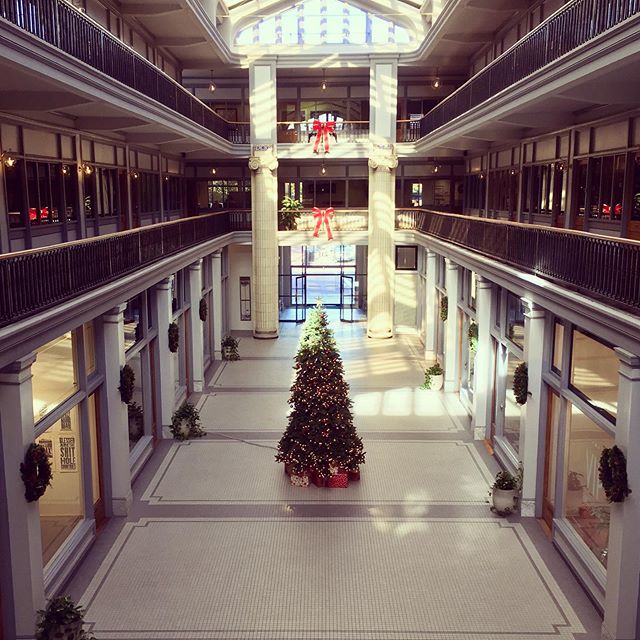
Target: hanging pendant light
x=212, y=84
x=323, y=169
x=323, y=84
x=436, y=81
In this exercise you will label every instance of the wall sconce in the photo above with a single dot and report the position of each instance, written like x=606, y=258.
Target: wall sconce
x=436, y=81
x=323, y=84
x=436, y=169
x=65, y=169
x=323, y=170
x=212, y=84
x=560, y=166
x=87, y=169
x=213, y=171
x=8, y=159
x=482, y=175
x=166, y=178
x=514, y=172
x=134, y=174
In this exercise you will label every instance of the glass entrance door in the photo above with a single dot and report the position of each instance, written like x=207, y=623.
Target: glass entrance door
x=347, y=298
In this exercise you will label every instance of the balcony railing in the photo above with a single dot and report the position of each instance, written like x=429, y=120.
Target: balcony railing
x=66, y=28
x=31, y=281
x=343, y=220
x=408, y=131
x=344, y=131
x=570, y=27
x=600, y=267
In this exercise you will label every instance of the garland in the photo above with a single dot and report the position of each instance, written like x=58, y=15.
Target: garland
x=127, y=381
x=613, y=474
x=472, y=334
x=203, y=310
x=444, y=308
x=174, y=337
x=521, y=383
x=36, y=472
x=187, y=415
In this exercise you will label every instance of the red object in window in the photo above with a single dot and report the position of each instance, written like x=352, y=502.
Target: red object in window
x=606, y=210
x=32, y=214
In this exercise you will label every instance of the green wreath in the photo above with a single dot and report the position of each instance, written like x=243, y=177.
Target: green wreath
x=127, y=382
x=36, y=472
x=174, y=337
x=613, y=474
x=203, y=310
x=472, y=334
x=521, y=383
x=444, y=308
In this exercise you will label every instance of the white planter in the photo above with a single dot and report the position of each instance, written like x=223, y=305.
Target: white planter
x=68, y=632
x=437, y=382
x=184, y=429
x=573, y=502
x=227, y=352
x=504, y=500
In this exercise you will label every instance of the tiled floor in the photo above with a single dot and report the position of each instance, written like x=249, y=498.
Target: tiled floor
x=219, y=545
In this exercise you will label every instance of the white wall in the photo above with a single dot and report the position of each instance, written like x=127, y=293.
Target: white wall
x=239, y=266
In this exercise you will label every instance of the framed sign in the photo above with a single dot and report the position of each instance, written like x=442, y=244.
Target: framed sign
x=245, y=298
x=68, y=454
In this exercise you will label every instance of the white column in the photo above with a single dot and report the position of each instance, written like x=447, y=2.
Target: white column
x=623, y=561
x=196, y=328
x=483, y=379
x=430, y=307
x=21, y=575
x=452, y=328
x=531, y=420
x=112, y=345
x=165, y=373
x=216, y=279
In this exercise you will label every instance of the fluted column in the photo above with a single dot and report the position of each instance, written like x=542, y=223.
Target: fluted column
x=483, y=391
x=264, y=254
x=430, y=307
x=381, y=265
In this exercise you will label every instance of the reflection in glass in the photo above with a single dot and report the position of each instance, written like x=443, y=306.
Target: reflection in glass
x=133, y=322
x=558, y=340
x=515, y=320
x=512, y=410
x=136, y=406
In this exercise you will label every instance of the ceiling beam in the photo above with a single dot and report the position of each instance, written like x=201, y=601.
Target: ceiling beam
x=38, y=100
x=95, y=123
x=144, y=137
x=156, y=9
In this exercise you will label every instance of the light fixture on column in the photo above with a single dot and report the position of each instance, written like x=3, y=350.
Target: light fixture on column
x=482, y=175
x=65, y=169
x=436, y=168
x=323, y=169
x=135, y=175
x=8, y=160
x=87, y=169
x=213, y=171
x=514, y=171
x=436, y=81
x=212, y=84
x=323, y=84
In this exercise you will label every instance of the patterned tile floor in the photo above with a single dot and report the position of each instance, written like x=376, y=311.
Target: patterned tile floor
x=220, y=546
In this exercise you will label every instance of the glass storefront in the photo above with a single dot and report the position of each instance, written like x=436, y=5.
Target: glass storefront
x=136, y=407
x=62, y=505
x=512, y=410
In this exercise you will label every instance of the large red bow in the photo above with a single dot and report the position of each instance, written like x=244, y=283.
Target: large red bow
x=322, y=129
x=323, y=216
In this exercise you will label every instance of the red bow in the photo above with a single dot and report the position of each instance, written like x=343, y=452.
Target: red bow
x=323, y=129
x=323, y=215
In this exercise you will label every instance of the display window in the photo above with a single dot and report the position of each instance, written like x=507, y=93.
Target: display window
x=512, y=410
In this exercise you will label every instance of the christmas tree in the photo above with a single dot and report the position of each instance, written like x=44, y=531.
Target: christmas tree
x=320, y=434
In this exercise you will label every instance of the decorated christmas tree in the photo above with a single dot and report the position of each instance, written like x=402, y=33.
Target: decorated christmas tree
x=320, y=436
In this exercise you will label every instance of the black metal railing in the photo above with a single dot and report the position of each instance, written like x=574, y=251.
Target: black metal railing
x=32, y=281
x=66, y=28
x=570, y=27
x=598, y=266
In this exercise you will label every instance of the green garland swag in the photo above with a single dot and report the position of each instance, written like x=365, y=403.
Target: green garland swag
x=521, y=383
x=203, y=310
x=613, y=474
x=36, y=472
x=187, y=415
x=127, y=381
x=174, y=337
x=444, y=308
x=472, y=334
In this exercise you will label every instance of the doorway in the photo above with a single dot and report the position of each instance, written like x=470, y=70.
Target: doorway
x=334, y=274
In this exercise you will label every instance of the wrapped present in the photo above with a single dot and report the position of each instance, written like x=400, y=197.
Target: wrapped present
x=338, y=481
x=354, y=475
x=317, y=479
x=299, y=481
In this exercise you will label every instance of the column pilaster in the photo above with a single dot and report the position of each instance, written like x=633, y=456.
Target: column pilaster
x=216, y=279
x=165, y=373
x=534, y=339
x=452, y=328
x=430, y=307
x=196, y=333
x=113, y=358
x=483, y=379
x=623, y=560
x=21, y=575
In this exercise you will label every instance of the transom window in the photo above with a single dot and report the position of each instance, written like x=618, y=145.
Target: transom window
x=323, y=22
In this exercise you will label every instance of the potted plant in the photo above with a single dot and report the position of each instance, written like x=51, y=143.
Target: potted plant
x=185, y=422
x=230, y=348
x=433, y=378
x=504, y=491
x=575, y=485
x=289, y=213
x=521, y=383
x=61, y=620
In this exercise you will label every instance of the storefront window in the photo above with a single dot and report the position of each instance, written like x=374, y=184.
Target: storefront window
x=54, y=375
x=558, y=340
x=594, y=373
x=585, y=505
x=515, y=320
x=135, y=409
x=62, y=505
x=133, y=322
x=89, y=347
x=512, y=410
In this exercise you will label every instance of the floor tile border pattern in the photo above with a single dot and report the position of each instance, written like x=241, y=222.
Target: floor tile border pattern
x=564, y=631
x=150, y=497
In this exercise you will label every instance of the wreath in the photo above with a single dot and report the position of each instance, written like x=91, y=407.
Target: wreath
x=472, y=334
x=613, y=474
x=444, y=308
x=185, y=422
x=521, y=383
x=127, y=381
x=203, y=310
x=36, y=472
x=174, y=337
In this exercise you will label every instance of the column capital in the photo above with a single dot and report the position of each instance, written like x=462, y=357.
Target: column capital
x=196, y=266
x=483, y=283
x=383, y=157
x=263, y=158
x=19, y=370
x=164, y=284
x=629, y=364
x=431, y=254
x=532, y=310
x=114, y=314
x=451, y=265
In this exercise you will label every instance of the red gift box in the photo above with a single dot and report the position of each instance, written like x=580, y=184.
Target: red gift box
x=354, y=475
x=339, y=481
x=317, y=479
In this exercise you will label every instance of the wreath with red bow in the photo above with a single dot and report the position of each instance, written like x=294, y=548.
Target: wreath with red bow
x=36, y=472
